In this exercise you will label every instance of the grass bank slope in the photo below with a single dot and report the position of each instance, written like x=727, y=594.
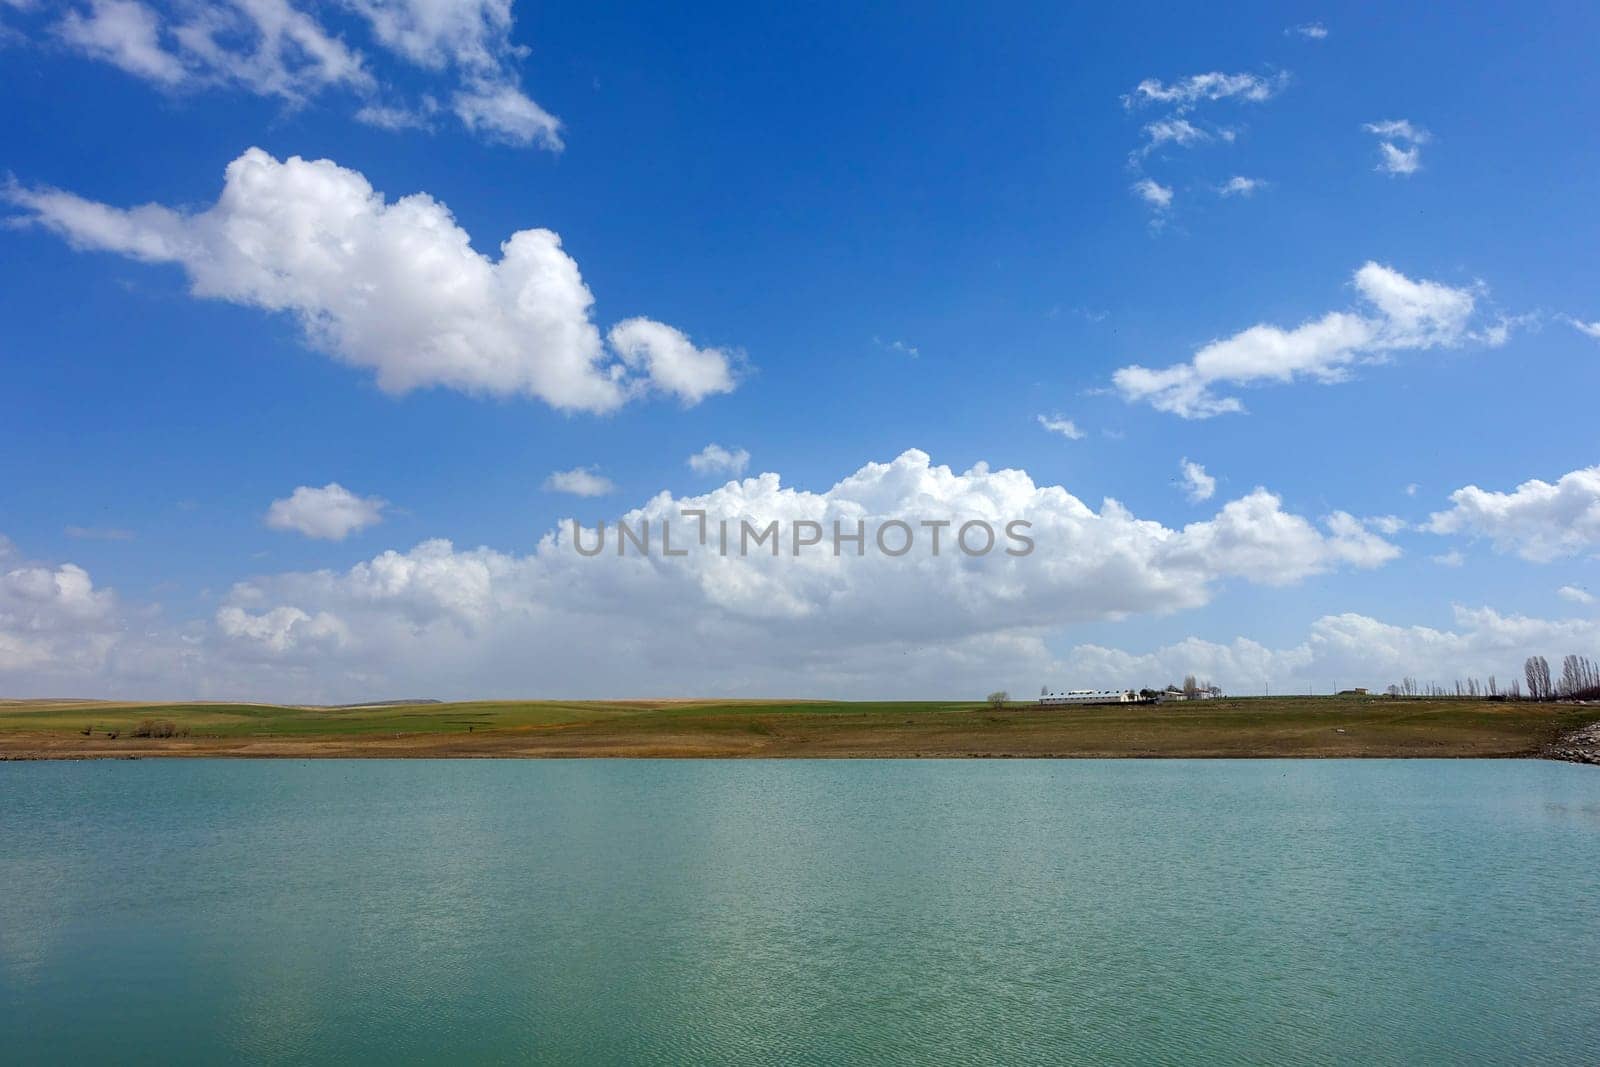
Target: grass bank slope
x=1244, y=727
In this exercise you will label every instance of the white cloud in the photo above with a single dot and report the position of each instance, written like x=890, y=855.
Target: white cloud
x=394, y=119
x=1588, y=329
x=1538, y=521
x=1397, y=129
x=505, y=113
x=898, y=346
x=1314, y=31
x=274, y=48
x=282, y=629
x=1087, y=565
x=1576, y=595
x=1388, y=524
x=433, y=34
x=1182, y=99
x=1197, y=484
x=1411, y=489
x=1152, y=192
x=396, y=287
x=1346, y=650
x=1397, y=160
x=1405, y=315
x=444, y=621
x=474, y=36
x=1453, y=558
x=52, y=617
x=331, y=513
x=267, y=47
x=125, y=34
x=1239, y=185
x=671, y=363
x=1172, y=130
x=580, y=481
x=1400, y=145
x=1065, y=427
x=714, y=459
x=1203, y=87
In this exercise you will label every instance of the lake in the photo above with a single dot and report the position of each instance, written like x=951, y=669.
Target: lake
x=826, y=912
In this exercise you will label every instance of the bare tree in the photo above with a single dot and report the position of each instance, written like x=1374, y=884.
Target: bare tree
x=1536, y=669
x=998, y=698
x=1580, y=678
x=1191, y=688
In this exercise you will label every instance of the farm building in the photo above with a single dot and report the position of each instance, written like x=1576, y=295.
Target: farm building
x=1090, y=696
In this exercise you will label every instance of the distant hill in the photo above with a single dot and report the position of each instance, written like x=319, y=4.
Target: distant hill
x=386, y=703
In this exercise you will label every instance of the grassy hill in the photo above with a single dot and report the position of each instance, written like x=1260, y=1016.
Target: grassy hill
x=1263, y=726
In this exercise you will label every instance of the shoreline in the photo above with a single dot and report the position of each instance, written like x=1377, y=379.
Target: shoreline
x=1580, y=746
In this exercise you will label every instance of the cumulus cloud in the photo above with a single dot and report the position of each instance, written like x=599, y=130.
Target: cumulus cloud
x=816, y=607
x=331, y=513
x=1538, y=521
x=671, y=362
x=1347, y=649
x=1314, y=31
x=52, y=617
x=452, y=621
x=714, y=459
x=397, y=287
x=1403, y=315
x=1065, y=427
x=277, y=49
x=1399, y=145
x=281, y=628
x=580, y=481
x=1575, y=594
x=1197, y=484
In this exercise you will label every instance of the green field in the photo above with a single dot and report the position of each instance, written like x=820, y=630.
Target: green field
x=1276, y=726
x=270, y=720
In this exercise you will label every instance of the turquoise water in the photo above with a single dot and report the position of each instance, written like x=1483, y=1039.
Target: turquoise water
x=962, y=912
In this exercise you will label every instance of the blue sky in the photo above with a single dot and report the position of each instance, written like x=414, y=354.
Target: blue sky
x=907, y=228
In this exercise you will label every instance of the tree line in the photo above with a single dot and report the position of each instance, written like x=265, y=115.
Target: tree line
x=1579, y=680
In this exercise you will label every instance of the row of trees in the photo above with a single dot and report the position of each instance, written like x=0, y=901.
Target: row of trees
x=1471, y=687
x=1580, y=680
